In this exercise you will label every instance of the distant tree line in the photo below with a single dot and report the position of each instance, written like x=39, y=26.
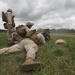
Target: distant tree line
x=62, y=31
x=53, y=30
x=1, y=30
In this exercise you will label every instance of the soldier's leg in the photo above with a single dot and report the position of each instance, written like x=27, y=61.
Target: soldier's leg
x=10, y=31
x=10, y=39
x=14, y=48
x=3, y=50
x=9, y=34
x=30, y=64
x=11, y=49
x=31, y=51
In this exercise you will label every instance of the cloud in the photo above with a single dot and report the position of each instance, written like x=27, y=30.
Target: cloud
x=44, y=13
x=3, y=7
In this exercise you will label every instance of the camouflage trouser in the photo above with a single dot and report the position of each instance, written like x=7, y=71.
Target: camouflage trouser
x=30, y=47
x=26, y=44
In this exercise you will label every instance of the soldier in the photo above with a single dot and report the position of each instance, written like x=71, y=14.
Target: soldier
x=9, y=24
x=31, y=47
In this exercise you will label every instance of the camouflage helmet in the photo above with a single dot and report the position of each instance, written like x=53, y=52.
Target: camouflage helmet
x=40, y=30
x=29, y=24
x=9, y=10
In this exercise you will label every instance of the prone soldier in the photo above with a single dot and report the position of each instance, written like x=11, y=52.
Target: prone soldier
x=24, y=32
x=30, y=45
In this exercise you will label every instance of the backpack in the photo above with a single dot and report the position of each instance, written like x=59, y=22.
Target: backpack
x=4, y=17
x=21, y=30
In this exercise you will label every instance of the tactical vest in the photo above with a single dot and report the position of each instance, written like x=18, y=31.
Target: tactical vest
x=33, y=36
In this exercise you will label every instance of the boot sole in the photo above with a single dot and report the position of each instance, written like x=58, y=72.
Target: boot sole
x=31, y=67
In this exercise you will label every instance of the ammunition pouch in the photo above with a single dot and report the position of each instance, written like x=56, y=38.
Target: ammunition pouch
x=5, y=26
x=33, y=36
x=35, y=39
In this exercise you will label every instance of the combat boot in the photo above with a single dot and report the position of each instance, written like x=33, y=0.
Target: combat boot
x=30, y=65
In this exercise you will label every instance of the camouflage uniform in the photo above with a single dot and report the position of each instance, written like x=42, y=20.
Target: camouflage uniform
x=31, y=46
x=9, y=24
x=31, y=49
x=26, y=44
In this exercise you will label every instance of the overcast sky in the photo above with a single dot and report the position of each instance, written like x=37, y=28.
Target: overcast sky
x=43, y=13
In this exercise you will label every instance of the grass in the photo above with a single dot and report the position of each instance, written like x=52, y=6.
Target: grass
x=58, y=59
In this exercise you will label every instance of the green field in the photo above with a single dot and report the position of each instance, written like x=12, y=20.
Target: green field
x=58, y=59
